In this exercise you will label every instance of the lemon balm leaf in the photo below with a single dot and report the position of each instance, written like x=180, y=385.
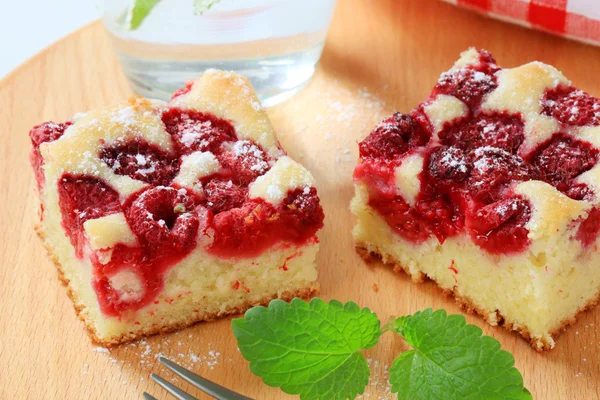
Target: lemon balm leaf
x=309, y=349
x=452, y=360
x=138, y=11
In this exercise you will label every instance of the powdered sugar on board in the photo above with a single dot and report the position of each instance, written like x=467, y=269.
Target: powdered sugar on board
x=142, y=356
x=342, y=108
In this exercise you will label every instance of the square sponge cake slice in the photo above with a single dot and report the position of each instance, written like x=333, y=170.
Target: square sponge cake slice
x=490, y=187
x=160, y=215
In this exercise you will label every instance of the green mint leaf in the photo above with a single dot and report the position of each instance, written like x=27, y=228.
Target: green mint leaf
x=310, y=349
x=452, y=360
x=138, y=11
x=200, y=6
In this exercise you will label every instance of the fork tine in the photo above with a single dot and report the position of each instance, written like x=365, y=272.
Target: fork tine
x=174, y=390
x=211, y=388
x=148, y=396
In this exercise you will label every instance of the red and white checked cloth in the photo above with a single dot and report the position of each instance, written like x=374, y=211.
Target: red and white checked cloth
x=576, y=19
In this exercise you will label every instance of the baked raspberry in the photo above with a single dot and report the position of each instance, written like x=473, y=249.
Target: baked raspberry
x=164, y=217
x=562, y=159
x=587, y=233
x=448, y=167
x=397, y=214
x=580, y=191
x=393, y=137
x=428, y=217
x=257, y=225
x=196, y=131
x=46, y=132
x=114, y=302
x=487, y=62
x=571, y=106
x=244, y=231
x=378, y=176
x=499, y=227
x=466, y=84
x=184, y=90
x=493, y=170
x=82, y=198
x=499, y=130
x=223, y=194
x=142, y=161
x=302, y=215
x=245, y=161
x=442, y=218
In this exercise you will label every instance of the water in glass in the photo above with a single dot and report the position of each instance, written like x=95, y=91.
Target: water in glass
x=275, y=43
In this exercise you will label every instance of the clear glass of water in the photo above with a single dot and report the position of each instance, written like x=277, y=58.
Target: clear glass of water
x=275, y=43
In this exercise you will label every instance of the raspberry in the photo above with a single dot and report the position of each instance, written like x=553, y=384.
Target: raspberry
x=562, y=159
x=46, y=132
x=245, y=161
x=497, y=130
x=430, y=216
x=248, y=230
x=499, y=228
x=142, y=161
x=580, y=191
x=378, y=177
x=393, y=137
x=587, y=233
x=244, y=231
x=302, y=215
x=196, y=131
x=487, y=63
x=82, y=198
x=442, y=219
x=466, y=84
x=164, y=217
x=571, y=106
x=184, y=90
x=222, y=194
x=447, y=168
x=493, y=170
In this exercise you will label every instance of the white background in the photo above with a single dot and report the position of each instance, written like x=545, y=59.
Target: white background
x=28, y=26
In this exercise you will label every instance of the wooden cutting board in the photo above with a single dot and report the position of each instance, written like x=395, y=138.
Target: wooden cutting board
x=380, y=56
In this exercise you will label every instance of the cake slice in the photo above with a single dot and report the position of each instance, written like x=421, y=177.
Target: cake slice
x=490, y=188
x=159, y=215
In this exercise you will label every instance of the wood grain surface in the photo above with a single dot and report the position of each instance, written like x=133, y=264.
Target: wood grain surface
x=380, y=56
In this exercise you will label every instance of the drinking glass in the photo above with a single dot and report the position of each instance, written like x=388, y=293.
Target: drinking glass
x=275, y=43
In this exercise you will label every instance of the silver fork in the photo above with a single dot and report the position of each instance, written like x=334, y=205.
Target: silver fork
x=208, y=387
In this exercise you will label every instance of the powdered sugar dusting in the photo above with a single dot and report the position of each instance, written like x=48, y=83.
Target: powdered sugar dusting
x=252, y=154
x=379, y=387
x=143, y=356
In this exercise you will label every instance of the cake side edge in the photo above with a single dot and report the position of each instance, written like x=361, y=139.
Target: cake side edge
x=539, y=344
x=303, y=292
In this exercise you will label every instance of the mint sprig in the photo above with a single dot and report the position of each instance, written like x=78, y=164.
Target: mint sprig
x=139, y=10
x=311, y=349
x=452, y=360
x=314, y=350
x=200, y=6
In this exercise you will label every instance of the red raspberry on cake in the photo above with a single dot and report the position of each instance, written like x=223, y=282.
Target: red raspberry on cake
x=491, y=188
x=160, y=215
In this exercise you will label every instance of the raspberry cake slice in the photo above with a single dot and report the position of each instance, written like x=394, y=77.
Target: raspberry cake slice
x=490, y=188
x=160, y=215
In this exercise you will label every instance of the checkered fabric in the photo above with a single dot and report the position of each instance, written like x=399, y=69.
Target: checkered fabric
x=576, y=19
